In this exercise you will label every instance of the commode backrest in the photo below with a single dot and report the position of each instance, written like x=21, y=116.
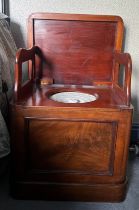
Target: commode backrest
x=78, y=49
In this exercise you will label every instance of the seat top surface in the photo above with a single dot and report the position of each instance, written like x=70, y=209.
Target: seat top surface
x=107, y=97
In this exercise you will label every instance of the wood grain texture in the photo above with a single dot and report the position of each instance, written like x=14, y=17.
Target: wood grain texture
x=75, y=48
x=52, y=146
x=63, y=150
x=72, y=151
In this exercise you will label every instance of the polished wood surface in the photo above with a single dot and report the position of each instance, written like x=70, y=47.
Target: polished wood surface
x=71, y=151
x=23, y=55
x=76, y=47
x=72, y=141
x=76, y=53
x=107, y=96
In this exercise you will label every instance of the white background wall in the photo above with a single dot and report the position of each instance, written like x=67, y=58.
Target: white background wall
x=127, y=9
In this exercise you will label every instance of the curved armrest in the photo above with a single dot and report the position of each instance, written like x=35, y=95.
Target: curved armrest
x=124, y=59
x=22, y=56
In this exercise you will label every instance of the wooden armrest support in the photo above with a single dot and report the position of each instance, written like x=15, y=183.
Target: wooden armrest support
x=124, y=59
x=22, y=56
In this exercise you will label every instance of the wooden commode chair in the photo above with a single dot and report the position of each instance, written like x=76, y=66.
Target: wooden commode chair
x=71, y=120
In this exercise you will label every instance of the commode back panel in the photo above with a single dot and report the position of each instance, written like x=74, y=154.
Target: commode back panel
x=79, y=51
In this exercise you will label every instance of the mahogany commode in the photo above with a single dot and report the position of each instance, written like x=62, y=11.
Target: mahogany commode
x=71, y=150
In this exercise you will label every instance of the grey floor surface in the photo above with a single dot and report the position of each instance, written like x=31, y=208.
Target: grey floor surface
x=131, y=202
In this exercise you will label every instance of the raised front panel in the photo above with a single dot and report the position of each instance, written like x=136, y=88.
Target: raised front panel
x=76, y=52
x=70, y=146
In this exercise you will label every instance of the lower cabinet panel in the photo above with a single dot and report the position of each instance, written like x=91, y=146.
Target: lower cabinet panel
x=69, y=159
x=60, y=146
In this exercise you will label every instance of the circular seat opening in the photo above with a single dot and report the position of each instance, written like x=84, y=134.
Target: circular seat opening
x=73, y=97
